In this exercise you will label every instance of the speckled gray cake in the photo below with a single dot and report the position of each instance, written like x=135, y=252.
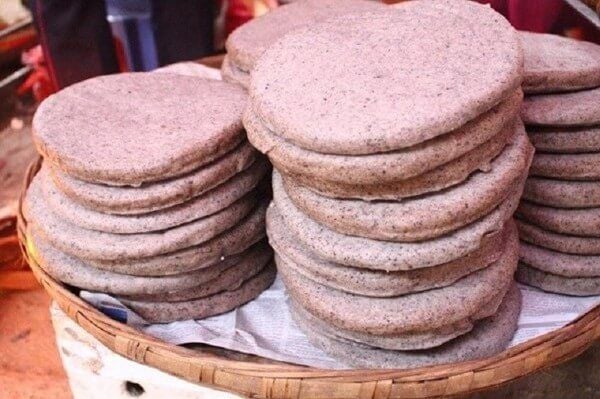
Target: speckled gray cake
x=559, y=218
x=578, y=222
x=221, y=302
x=579, y=108
x=127, y=130
x=562, y=193
x=149, y=191
x=154, y=196
x=247, y=43
x=488, y=337
x=423, y=217
x=393, y=96
x=203, y=205
x=364, y=252
x=373, y=282
x=565, y=243
x=396, y=175
x=565, y=140
x=554, y=63
x=425, y=167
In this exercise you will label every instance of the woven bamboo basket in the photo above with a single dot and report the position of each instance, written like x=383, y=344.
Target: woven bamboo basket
x=263, y=378
x=14, y=273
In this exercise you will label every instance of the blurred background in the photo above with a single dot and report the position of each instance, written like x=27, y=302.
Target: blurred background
x=48, y=44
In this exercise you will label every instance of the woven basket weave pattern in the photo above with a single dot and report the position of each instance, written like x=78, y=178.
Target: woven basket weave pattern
x=267, y=379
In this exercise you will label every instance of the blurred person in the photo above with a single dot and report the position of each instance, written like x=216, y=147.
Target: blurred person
x=78, y=41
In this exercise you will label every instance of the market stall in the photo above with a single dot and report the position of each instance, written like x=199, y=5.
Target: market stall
x=333, y=218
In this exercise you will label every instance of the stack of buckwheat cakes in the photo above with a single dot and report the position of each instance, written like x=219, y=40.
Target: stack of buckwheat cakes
x=400, y=159
x=559, y=217
x=149, y=191
x=247, y=43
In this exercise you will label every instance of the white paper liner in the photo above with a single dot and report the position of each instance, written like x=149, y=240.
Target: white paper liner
x=264, y=326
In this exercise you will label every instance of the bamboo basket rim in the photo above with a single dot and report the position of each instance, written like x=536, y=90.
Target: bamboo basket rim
x=281, y=380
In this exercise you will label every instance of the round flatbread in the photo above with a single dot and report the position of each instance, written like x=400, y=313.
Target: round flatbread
x=231, y=242
x=158, y=195
x=489, y=337
x=554, y=63
x=384, y=167
x=444, y=176
x=577, y=286
x=418, y=340
x=567, y=166
x=74, y=271
x=580, y=108
x=222, y=302
x=424, y=217
x=565, y=140
x=204, y=205
x=558, y=242
x=247, y=43
x=383, y=316
x=566, y=265
x=130, y=128
x=378, y=283
x=562, y=193
x=389, y=256
x=578, y=222
x=408, y=85
x=99, y=245
x=249, y=265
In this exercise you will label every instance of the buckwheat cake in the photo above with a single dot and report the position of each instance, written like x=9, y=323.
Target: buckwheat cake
x=130, y=132
x=416, y=219
x=565, y=243
x=569, y=140
x=74, y=271
x=248, y=266
x=100, y=245
x=579, y=108
x=383, y=100
x=558, y=216
x=247, y=43
x=555, y=64
x=488, y=337
x=158, y=195
x=203, y=205
x=396, y=175
x=562, y=193
x=221, y=302
x=160, y=200
x=384, y=255
x=379, y=283
x=413, y=341
x=232, y=241
x=386, y=315
x=583, y=222
x=386, y=166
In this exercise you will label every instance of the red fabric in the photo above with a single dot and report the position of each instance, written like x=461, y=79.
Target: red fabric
x=238, y=13
x=531, y=15
x=546, y=16
x=38, y=82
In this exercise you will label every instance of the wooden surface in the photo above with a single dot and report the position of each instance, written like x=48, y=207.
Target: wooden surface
x=29, y=364
x=16, y=152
